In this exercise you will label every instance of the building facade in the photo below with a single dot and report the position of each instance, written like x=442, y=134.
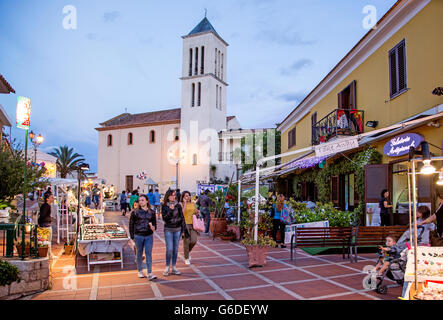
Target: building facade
x=389, y=77
x=185, y=141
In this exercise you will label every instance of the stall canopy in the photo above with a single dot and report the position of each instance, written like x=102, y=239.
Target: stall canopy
x=59, y=181
x=150, y=182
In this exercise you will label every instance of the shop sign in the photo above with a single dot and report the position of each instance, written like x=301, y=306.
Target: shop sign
x=330, y=148
x=399, y=145
x=23, y=118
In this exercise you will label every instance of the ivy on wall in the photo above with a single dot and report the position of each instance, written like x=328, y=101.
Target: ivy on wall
x=354, y=163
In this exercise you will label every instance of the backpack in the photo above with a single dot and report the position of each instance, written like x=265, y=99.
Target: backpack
x=285, y=216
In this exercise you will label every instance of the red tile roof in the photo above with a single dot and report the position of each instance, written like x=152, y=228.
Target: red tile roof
x=5, y=87
x=126, y=119
x=229, y=118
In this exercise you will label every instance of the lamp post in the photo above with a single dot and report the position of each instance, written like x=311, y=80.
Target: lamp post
x=36, y=141
x=82, y=167
x=177, y=160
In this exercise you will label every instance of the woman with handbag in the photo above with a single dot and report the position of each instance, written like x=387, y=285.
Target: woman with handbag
x=172, y=215
x=189, y=210
x=277, y=223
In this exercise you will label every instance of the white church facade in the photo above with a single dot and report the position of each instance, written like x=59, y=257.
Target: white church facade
x=194, y=135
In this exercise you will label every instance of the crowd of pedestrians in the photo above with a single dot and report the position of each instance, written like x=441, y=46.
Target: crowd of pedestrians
x=176, y=211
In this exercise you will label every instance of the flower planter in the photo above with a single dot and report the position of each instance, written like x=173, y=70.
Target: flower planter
x=257, y=255
x=217, y=226
x=228, y=238
x=236, y=230
x=27, y=250
x=68, y=248
x=42, y=252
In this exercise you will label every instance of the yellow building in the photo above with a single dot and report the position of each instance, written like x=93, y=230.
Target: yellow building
x=390, y=76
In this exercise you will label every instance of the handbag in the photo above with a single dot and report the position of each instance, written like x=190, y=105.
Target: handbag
x=435, y=240
x=285, y=216
x=198, y=223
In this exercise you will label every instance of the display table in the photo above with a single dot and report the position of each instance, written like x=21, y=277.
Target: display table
x=429, y=274
x=102, y=243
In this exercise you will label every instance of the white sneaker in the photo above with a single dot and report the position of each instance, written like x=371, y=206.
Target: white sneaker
x=140, y=274
x=151, y=277
x=175, y=271
x=187, y=262
x=166, y=272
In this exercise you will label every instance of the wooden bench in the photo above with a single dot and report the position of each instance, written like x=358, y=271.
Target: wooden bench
x=372, y=237
x=321, y=237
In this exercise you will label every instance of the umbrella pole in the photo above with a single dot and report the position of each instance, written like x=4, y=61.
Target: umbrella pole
x=409, y=199
x=239, y=202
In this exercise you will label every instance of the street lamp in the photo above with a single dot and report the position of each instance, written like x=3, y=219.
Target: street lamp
x=36, y=141
x=177, y=160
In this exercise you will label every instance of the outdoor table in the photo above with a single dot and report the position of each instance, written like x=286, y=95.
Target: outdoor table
x=88, y=247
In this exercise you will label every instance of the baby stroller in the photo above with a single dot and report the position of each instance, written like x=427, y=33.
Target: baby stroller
x=397, y=262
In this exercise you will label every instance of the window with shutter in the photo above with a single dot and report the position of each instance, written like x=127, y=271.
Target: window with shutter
x=313, y=128
x=377, y=178
x=397, y=69
x=335, y=196
x=291, y=138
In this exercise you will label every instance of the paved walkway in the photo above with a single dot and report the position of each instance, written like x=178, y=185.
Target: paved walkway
x=219, y=271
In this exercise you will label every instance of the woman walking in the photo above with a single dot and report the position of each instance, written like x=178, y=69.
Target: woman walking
x=277, y=224
x=174, y=220
x=44, y=218
x=142, y=224
x=190, y=239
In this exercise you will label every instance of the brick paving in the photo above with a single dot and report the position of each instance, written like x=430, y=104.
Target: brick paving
x=219, y=271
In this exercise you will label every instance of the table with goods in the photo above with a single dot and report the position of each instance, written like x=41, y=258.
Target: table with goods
x=102, y=243
x=429, y=274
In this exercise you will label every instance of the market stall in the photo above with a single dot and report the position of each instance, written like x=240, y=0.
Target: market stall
x=64, y=207
x=102, y=243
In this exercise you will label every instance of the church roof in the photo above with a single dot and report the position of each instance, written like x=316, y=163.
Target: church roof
x=127, y=119
x=5, y=87
x=203, y=26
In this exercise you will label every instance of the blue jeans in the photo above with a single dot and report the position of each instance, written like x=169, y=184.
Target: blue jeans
x=145, y=242
x=172, y=240
x=207, y=216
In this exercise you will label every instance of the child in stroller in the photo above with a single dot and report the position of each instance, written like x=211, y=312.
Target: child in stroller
x=392, y=260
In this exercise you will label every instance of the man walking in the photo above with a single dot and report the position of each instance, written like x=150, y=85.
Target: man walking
x=151, y=198
x=204, y=202
x=157, y=198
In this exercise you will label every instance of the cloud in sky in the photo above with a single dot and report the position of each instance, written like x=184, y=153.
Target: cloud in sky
x=297, y=66
x=111, y=16
x=284, y=37
x=292, y=97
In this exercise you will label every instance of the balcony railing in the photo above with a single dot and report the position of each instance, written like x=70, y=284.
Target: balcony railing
x=225, y=156
x=339, y=122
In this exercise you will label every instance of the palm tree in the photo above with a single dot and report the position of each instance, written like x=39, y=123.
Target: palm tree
x=67, y=160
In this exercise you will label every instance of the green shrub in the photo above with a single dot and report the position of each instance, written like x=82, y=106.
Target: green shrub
x=8, y=273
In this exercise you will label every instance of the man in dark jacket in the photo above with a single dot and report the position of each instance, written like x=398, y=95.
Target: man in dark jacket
x=142, y=224
x=204, y=203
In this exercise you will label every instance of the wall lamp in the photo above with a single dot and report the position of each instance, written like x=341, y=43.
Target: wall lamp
x=372, y=124
x=426, y=155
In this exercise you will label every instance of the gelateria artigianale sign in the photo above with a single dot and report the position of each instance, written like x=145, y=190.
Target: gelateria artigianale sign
x=399, y=145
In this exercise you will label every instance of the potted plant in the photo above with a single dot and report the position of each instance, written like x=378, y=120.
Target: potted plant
x=42, y=249
x=18, y=246
x=218, y=223
x=257, y=250
x=235, y=228
x=228, y=235
x=68, y=246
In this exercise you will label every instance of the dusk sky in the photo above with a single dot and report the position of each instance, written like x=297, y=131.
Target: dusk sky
x=128, y=54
